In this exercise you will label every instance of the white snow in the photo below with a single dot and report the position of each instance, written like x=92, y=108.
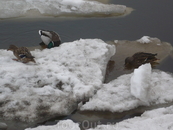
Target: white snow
x=61, y=125
x=144, y=39
x=140, y=82
x=159, y=119
x=61, y=77
x=18, y=8
x=116, y=96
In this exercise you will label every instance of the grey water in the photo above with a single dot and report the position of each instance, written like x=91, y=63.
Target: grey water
x=150, y=18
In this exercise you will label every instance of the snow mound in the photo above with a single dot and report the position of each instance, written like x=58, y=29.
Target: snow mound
x=61, y=78
x=116, y=96
x=147, y=39
x=144, y=39
x=18, y=8
x=61, y=125
x=140, y=82
x=159, y=119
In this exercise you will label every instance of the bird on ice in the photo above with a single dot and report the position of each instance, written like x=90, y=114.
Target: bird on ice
x=22, y=54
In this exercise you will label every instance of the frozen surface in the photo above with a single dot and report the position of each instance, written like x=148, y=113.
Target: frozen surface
x=61, y=125
x=159, y=119
x=18, y=8
x=116, y=96
x=61, y=77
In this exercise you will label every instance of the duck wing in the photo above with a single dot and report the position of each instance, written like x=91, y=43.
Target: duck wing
x=23, y=52
x=142, y=57
x=55, y=36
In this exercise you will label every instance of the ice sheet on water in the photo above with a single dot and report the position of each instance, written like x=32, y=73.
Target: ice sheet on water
x=116, y=96
x=18, y=8
x=62, y=76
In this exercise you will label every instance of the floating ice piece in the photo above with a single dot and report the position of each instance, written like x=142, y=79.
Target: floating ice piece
x=62, y=76
x=159, y=119
x=61, y=125
x=18, y=8
x=116, y=95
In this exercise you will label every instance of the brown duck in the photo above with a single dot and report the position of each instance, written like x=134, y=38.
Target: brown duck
x=140, y=58
x=22, y=54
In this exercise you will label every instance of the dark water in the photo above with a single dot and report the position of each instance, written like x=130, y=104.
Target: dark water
x=150, y=18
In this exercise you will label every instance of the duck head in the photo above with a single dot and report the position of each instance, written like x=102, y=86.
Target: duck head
x=45, y=36
x=128, y=61
x=12, y=48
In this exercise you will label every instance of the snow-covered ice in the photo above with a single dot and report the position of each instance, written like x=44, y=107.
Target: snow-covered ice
x=61, y=78
x=116, y=96
x=19, y=8
x=159, y=119
x=61, y=125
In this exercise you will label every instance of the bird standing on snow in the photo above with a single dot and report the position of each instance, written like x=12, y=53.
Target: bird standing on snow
x=49, y=39
x=22, y=54
x=140, y=58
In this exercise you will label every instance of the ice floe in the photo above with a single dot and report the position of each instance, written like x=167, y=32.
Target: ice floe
x=62, y=77
x=20, y=8
x=132, y=90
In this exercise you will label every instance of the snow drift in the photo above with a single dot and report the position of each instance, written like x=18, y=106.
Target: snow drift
x=62, y=77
